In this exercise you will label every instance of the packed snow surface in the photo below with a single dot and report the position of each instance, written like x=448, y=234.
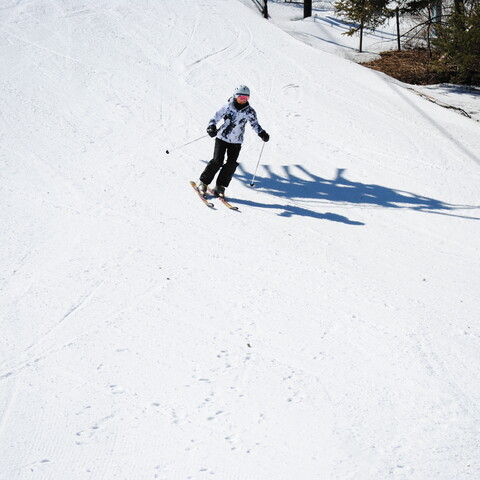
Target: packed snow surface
x=326, y=32
x=327, y=331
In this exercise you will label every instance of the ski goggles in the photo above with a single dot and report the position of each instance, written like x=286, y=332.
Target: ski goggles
x=242, y=98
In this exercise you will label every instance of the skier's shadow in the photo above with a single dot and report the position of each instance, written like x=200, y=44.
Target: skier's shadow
x=338, y=190
x=291, y=210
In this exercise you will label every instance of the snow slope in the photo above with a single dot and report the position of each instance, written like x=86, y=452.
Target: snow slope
x=326, y=32
x=328, y=330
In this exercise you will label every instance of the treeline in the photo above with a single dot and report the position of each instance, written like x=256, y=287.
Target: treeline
x=450, y=30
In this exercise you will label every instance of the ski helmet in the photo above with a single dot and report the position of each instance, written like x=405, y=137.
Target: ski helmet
x=241, y=90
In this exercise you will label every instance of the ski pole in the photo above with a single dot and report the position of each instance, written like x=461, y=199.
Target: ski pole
x=185, y=144
x=258, y=163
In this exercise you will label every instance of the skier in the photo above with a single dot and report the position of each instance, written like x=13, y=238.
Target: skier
x=229, y=137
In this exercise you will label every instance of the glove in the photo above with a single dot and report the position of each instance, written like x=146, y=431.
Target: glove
x=212, y=130
x=264, y=136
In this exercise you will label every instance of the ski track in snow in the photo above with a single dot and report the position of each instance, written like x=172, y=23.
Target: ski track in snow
x=327, y=331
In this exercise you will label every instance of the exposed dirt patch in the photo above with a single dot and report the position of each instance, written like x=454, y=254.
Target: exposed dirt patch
x=416, y=67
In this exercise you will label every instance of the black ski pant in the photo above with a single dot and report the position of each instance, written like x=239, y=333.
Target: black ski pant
x=226, y=170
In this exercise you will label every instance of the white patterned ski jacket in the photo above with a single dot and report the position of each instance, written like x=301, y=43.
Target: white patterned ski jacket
x=234, y=121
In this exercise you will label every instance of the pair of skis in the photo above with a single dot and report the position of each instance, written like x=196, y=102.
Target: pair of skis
x=210, y=204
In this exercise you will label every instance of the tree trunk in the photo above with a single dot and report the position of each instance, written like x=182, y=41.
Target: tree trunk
x=397, y=15
x=307, y=8
x=361, y=36
x=265, y=10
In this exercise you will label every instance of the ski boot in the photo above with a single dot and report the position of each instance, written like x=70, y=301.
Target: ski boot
x=219, y=191
x=202, y=188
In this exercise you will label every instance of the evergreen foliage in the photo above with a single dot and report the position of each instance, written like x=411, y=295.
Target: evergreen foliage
x=365, y=13
x=458, y=42
x=456, y=33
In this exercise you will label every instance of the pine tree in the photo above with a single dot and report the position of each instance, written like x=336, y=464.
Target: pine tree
x=365, y=13
x=458, y=42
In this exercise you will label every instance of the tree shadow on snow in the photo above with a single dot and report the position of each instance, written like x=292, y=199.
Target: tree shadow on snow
x=338, y=190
